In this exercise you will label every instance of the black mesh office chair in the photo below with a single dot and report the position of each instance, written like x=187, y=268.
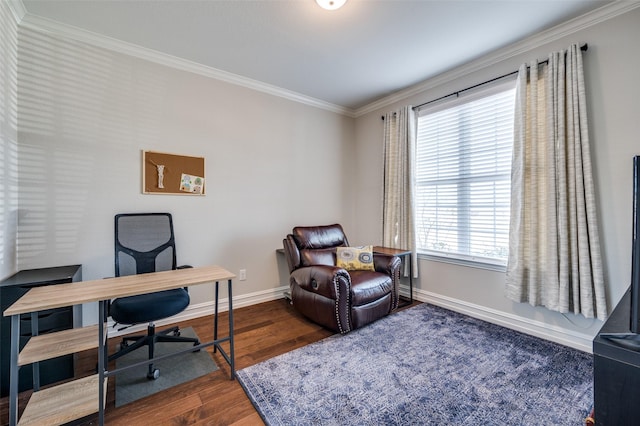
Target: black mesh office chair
x=144, y=242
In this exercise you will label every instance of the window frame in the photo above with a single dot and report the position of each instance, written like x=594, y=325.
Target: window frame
x=506, y=84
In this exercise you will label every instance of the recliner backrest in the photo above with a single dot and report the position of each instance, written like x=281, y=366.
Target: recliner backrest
x=314, y=245
x=144, y=242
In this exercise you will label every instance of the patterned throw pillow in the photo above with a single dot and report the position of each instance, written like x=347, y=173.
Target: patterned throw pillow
x=355, y=258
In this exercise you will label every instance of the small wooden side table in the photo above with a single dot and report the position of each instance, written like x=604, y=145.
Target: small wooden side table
x=404, y=255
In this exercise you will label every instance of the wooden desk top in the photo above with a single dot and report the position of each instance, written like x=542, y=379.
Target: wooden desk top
x=60, y=295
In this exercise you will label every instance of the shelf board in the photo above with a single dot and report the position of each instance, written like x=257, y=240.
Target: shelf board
x=52, y=345
x=63, y=403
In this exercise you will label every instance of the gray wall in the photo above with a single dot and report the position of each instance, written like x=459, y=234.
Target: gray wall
x=613, y=90
x=8, y=141
x=84, y=114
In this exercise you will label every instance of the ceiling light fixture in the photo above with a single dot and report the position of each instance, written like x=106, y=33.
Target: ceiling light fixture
x=331, y=4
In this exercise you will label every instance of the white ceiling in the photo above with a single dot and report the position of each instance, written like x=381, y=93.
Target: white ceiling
x=349, y=57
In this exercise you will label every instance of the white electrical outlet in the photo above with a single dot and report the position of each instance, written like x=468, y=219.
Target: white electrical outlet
x=242, y=275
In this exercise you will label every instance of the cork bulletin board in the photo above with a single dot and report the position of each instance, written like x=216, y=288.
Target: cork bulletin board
x=164, y=173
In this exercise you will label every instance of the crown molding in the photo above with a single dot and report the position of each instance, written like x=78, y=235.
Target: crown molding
x=57, y=29
x=604, y=13
x=17, y=10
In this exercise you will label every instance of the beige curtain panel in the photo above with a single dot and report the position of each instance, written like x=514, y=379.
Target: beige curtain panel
x=554, y=246
x=398, y=226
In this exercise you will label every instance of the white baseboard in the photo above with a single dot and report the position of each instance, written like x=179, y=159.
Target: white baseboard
x=576, y=340
x=539, y=329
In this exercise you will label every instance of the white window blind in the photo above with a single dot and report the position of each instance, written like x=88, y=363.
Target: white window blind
x=463, y=167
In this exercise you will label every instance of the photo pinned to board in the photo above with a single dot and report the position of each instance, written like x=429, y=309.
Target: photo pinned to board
x=192, y=184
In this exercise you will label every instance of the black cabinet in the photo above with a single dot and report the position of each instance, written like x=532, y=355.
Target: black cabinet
x=616, y=373
x=11, y=289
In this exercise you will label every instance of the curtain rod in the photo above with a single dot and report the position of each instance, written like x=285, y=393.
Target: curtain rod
x=584, y=48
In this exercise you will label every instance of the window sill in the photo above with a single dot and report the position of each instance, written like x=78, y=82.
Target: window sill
x=463, y=262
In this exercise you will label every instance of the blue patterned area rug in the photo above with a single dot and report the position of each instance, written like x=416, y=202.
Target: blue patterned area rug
x=425, y=365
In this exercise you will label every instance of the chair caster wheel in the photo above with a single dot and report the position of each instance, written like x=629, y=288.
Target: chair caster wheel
x=154, y=374
x=196, y=344
x=176, y=333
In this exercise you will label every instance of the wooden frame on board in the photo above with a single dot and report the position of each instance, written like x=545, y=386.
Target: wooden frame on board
x=164, y=173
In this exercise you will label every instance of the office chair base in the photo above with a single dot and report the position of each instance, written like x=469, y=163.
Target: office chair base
x=153, y=375
x=169, y=335
x=131, y=340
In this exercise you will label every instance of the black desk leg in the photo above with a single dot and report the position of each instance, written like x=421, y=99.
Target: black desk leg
x=229, y=357
x=215, y=320
x=102, y=360
x=13, y=370
x=35, y=367
x=231, y=350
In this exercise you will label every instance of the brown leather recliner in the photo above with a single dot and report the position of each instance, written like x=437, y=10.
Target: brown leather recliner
x=333, y=297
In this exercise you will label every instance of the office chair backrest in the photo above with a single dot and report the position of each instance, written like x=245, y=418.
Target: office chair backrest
x=144, y=242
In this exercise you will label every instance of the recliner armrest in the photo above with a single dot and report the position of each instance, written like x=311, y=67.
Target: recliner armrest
x=386, y=263
x=390, y=265
x=320, y=279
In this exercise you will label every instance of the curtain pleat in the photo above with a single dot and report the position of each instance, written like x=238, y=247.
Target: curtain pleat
x=398, y=225
x=554, y=249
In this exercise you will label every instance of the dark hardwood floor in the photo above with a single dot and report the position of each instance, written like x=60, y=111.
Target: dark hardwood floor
x=262, y=331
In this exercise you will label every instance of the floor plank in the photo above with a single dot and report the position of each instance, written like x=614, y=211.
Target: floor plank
x=262, y=331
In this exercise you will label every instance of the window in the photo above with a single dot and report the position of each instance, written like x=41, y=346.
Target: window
x=463, y=174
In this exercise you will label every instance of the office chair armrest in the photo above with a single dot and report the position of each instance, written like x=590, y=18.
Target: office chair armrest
x=184, y=267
